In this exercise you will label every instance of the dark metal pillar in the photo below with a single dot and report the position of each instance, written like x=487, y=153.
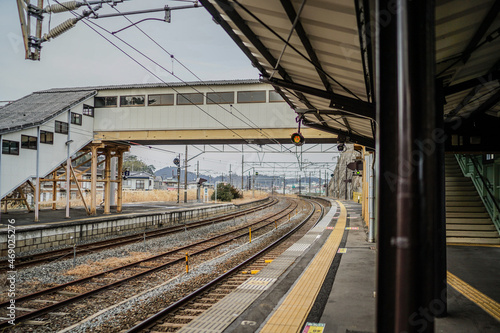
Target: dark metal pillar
x=440, y=280
x=345, y=181
x=407, y=165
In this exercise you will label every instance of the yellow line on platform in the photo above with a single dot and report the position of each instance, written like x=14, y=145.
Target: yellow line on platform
x=487, y=304
x=466, y=244
x=292, y=313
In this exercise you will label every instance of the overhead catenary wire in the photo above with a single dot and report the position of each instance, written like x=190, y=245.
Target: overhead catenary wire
x=153, y=74
x=70, y=23
x=255, y=126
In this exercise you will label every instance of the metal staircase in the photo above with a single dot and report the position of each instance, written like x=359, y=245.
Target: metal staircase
x=467, y=221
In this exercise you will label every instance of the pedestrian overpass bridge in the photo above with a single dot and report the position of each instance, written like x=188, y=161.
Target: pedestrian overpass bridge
x=41, y=133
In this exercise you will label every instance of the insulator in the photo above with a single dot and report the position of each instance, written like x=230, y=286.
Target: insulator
x=63, y=27
x=62, y=7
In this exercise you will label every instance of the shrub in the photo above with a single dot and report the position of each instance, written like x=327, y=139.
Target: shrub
x=226, y=192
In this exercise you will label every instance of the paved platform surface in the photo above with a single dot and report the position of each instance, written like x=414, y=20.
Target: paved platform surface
x=24, y=218
x=346, y=302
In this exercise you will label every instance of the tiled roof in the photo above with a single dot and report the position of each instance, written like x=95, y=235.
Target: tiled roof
x=39, y=107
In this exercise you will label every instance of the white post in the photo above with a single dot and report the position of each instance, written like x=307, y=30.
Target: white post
x=68, y=165
x=37, y=188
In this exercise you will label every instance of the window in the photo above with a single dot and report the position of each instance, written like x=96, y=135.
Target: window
x=275, y=97
x=220, y=97
x=488, y=158
x=132, y=100
x=164, y=99
x=258, y=96
x=28, y=142
x=105, y=102
x=188, y=99
x=88, y=110
x=61, y=127
x=76, y=118
x=10, y=147
x=139, y=184
x=46, y=137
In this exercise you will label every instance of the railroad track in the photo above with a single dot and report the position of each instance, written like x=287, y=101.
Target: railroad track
x=49, y=256
x=65, y=294
x=183, y=311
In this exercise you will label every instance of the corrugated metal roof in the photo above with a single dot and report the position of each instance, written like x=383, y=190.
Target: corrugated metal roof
x=38, y=108
x=330, y=50
x=157, y=85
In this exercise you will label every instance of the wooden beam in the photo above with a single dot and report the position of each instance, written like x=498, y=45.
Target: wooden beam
x=119, y=195
x=107, y=184
x=79, y=190
x=93, y=183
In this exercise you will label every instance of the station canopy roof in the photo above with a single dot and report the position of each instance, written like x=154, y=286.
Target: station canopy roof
x=319, y=54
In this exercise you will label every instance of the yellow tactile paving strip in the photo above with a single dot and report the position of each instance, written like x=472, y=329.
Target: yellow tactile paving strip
x=483, y=301
x=292, y=313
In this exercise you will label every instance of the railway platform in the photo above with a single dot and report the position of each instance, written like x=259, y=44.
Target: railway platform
x=330, y=287
x=25, y=218
x=55, y=230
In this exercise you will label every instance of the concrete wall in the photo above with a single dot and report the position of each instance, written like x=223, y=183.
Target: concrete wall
x=337, y=186
x=35, y=237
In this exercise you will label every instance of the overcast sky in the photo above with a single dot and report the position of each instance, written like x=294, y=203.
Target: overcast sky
x=80, y=57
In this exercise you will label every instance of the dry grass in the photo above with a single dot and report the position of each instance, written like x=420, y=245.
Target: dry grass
x=248, y=196
x=144, y=196
x=90, y=267
x=158, y=195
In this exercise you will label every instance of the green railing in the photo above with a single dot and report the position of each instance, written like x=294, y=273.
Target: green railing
x=488, y=189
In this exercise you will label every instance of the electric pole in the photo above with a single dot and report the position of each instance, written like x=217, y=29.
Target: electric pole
x=198, y=186
x=186, y=176
x=178, y=177
x=242, y=170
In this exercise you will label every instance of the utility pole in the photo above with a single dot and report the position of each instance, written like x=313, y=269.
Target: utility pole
x=299, y=184
x=242, y=170
x=253, y=183
x=230, y=178
x=309, y=182
x=186, y=176
x=326, y=185
x=284, y=184
x=319, y=182
x=198, y=185
x=179, y=179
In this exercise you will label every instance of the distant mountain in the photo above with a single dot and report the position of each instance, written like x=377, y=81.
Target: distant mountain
x=171, y=172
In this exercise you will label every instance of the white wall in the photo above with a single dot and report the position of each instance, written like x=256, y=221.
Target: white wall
x=16, y=169
x=264, y=115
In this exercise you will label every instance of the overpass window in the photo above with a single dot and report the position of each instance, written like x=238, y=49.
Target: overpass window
x=163, y=99
x=105, y=102
x=10, y=147
x=28, y=142
x=76, y=118
x=275, y=97
x=46, y=137
x=88, y=110
x=258, y=96
x=187, y=99
x=220, y=97
x=137, y=100
x=61, y=127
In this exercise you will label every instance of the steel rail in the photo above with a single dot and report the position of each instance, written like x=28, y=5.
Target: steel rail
x=54, y=255
x=152, y=320
x=52, y=307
